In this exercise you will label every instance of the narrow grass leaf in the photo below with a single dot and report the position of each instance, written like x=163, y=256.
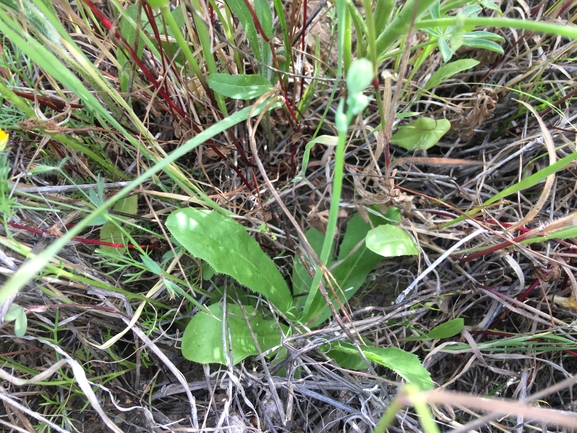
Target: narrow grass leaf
x=243, y=14
x=301, y=278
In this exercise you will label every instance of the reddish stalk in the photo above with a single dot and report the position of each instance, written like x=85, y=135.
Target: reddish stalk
x=84, y=240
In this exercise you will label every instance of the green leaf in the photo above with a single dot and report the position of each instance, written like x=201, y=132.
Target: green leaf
x=327, y=140
x=12, y=313
x=262, y=9
x=301, y=278
x=483, y=45
x=128, y=31
x=492, y=6
x=128, y=205
x=564, y=233
x=241, y=12
x=226, y=246
x=202, y=340
x=111, y=230
x=421, y=134
x=155, y=4
x=403, y=363
x=355, y=262
x=448, y=70
x=490, y=36
x=445, y=49
x=21, y=323
x=239, y=86
x=391, y=241
x=346, y=360
x=383, y=13
x=151, y=265
x=447, y=329
x=17, y=314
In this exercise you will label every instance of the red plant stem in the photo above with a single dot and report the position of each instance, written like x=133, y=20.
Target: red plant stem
x=303, y=47
x=82, y=240
x=256, y=21
x=561, y=223
x=497, y=247
x=163, y=92
x=54, y=104
x=571, y=94
x=104, y=20
x=273, y=51
x=152, y=21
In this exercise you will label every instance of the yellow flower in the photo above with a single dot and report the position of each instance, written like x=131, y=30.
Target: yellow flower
x=4, y=136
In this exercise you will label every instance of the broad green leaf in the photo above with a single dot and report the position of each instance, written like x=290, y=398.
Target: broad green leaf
x=12, y=313
x=346, y=360
x=301, y=278
x=421, y=134
x=203, y=342
x=226, y=246
x=17, y=314
x=239, y=86
x=383, y=13
x=21, y=323
x=447, y=329
x=403, y=363
x=391, y=241
x=448, y=70
x=128, y=205
x=111, y=231
x=354, y=263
